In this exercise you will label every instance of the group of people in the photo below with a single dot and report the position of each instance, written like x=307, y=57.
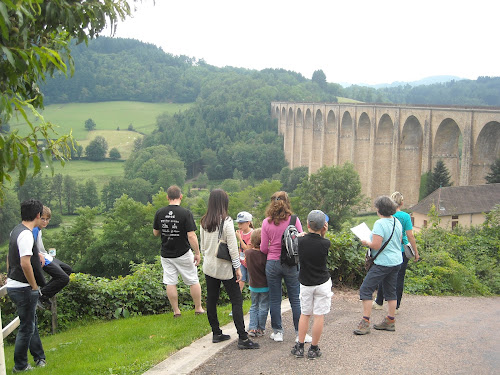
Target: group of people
x=26, y=284
x=254, y=259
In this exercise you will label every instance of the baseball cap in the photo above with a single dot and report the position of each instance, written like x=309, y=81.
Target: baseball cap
x=243, y=217
x=316, y=219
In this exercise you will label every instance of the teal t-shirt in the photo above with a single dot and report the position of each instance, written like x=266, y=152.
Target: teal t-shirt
x=391, y=255
x=405, y=220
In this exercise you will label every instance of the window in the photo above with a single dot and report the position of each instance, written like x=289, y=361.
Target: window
x=454, y=223
x=454, y=217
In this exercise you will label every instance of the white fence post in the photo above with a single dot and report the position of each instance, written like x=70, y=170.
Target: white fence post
x=5, y=332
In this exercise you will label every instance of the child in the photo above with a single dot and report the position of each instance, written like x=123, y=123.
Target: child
x=315, y=283
x=259, y=291
x=245, y=229
x=58, y=270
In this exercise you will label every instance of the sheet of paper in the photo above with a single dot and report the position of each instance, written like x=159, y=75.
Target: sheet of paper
x=362, y=231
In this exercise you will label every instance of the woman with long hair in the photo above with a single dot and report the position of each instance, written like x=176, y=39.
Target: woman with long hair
x=278, y=214
x=216, y=221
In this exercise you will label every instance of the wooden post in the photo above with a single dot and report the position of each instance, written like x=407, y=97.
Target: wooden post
x=2, y=353
x=53, y=310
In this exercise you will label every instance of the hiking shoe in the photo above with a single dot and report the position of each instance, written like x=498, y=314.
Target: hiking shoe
x=307, y=338
x=297, y=351
x=376, y=306
x=247, y=344
x=386, y=324
x=220, y=338
x=41, y=363
x=27, y=368
x=313, y=353
x=277, y=336
x=363, y=328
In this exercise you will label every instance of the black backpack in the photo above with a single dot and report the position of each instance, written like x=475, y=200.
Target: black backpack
x=290, y=244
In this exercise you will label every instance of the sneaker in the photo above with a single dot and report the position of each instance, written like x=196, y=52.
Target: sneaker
x=41, y=363
x=220, y=338
x=252, y=332
x=231, y=313
x=307, y=338
x=376, y=306
x=397, y=311
x=259, y=333
x=44, y=303
x=27, y=368
x=277, y=336
x=313, y=353
x=386, y=325
x=247, y=344
x=363, y=328
x=297, y=351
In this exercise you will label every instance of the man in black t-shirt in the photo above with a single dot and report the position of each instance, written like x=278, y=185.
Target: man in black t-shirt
x=177, y=229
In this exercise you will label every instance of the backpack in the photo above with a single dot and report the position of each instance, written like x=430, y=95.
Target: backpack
x=290, y=244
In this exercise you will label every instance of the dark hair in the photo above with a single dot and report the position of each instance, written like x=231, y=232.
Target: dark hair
x=279, y=209
x=218, y=203
x=30, y=209
x=385, y=205
x=173, y=192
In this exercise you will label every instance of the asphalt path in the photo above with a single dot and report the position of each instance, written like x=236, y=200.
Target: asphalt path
x=434, y=335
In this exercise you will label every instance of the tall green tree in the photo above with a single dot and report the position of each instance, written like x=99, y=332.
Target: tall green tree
x=440, y=177
x=335, y=190
x=10, y=215
x=35, y=40
x=70, y=194
x=493, y=177
x=90, y=124
x=88, y=194
x=97, y=149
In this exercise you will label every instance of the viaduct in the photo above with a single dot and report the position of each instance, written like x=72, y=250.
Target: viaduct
x=391, y=146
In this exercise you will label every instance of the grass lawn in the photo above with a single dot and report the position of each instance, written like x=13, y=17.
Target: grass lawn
x=106, y=115
x=123, y=140
x=124, y=346
x=83, y=170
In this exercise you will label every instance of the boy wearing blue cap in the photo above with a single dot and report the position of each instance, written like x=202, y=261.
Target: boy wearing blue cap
x=315, y=282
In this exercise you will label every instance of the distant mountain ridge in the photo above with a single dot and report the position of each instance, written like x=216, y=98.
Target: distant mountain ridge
x=424, y=81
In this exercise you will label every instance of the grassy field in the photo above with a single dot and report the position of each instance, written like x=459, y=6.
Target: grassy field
x=123, y=140
x=106, y=115
x=123, y=346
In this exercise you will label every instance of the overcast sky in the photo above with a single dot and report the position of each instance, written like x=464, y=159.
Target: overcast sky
x=352, y=41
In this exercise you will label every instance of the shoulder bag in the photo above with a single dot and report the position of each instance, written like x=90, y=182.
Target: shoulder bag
x=222, y=249
x=369, y=260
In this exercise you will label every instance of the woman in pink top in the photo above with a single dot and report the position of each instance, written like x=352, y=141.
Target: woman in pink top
x=278, y=218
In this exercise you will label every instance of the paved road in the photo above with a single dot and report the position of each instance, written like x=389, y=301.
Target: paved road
x=434, y=335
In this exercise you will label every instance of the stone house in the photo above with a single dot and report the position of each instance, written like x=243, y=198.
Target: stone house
x=464, y=205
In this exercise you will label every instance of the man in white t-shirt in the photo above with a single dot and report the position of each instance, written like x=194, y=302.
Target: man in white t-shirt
x=24, y=276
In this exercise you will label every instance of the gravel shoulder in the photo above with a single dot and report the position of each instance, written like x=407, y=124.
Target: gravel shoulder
x=434, y=335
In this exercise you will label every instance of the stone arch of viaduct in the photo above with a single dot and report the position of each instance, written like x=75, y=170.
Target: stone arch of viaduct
x=391, y=146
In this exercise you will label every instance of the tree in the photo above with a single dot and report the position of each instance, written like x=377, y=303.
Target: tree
x=114, y=154
x=35, y=38
x=96, y=150
x=290, y=178
x=70, y=194
x=335, y=190
x=90, y=124
x=88, y=194
x=494, y=176
x=138, y=189
x=319, y=77
x=9, y=215
x=440, y=177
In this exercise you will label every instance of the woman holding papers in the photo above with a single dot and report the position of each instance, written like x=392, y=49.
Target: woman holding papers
x=386, y=238
x=408, y=238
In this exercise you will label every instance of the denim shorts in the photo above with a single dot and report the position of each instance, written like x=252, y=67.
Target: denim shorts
x=380, y=274
x=244, y=273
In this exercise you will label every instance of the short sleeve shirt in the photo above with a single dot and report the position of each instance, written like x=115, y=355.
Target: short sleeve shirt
x=174, y=222
x=405, y=220
x=391, y=255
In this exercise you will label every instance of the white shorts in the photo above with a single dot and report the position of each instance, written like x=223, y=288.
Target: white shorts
x=184, y=265
x=316, y=299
